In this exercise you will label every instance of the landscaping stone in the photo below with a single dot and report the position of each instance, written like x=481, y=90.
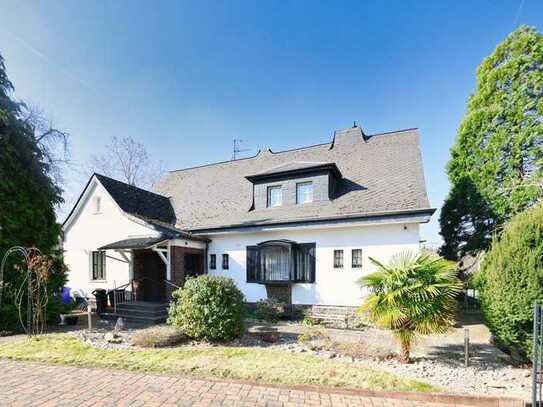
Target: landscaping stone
x=437, y=361
x=113, y=337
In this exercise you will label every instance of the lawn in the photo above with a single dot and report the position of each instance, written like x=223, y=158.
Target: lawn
x=205, y=361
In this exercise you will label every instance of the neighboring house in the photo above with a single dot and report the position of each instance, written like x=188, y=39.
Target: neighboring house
x=299, y=224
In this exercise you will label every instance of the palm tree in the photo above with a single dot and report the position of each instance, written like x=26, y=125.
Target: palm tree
x=414, y=294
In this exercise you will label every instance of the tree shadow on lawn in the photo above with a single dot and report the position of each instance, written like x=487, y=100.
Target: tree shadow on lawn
x=482, y=356
x=265, y=334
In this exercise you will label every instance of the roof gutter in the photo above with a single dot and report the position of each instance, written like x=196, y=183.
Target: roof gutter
x=422, y=214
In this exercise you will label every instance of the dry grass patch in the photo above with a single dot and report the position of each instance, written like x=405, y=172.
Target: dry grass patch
x=316, y=339
x=206, y=361
x=158, y=337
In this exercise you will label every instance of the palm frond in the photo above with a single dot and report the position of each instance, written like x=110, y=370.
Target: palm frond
x=412, y=294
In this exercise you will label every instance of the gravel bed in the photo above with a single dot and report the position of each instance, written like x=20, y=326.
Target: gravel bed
x=496, y=379
x=486, y=375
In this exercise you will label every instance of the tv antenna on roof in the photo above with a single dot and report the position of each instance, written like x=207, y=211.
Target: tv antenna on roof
x=237, y=148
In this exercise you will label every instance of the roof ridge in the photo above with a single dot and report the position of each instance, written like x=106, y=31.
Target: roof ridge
x=248, y=158
x=391, y=132
x=285, y=151
x=130, y=185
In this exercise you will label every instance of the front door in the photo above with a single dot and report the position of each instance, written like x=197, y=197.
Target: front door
x=154, y=274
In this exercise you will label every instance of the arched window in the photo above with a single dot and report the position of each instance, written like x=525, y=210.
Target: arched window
x=281, y=261
x=276, y=258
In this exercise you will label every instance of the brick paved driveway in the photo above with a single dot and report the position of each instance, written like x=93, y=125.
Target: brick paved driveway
x=31, y=384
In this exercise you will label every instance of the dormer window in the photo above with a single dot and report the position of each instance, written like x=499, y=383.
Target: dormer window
x=295, y=183
x=275, y=196
x=304, y=192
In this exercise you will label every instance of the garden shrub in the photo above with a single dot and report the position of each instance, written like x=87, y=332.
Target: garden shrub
x=158, y=337
x=14, y=279
x=270, y=310
x=510, y=280
x=208, y=307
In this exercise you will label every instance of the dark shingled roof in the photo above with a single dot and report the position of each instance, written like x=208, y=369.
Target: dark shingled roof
x=134, y=243
x=137, y=201
x=293, y=168
x=382, y=174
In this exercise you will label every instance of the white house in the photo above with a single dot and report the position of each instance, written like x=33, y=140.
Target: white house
x=300, y=224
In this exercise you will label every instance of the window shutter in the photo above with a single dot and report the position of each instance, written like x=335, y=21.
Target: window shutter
x=252, y=264
x=305, y=263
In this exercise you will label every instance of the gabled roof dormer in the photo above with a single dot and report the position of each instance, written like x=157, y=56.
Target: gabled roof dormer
x=295, y=183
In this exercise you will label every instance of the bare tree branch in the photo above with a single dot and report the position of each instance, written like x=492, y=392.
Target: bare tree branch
x=127, y=160
x=53, y=142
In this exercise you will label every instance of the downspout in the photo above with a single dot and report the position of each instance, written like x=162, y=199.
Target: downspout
x=205, y=257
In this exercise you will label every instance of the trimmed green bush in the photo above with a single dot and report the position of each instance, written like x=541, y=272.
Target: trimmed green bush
x=209, y=307
x=510, y=280
x=270, y=310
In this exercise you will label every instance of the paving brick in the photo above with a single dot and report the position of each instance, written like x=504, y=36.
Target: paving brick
x=24, y=384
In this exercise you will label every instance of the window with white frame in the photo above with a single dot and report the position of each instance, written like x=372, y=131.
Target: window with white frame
x=98, y=265
x=225, y=261
x=356, y=258
x=304, y=192
x=338, y=259
x=275, y=196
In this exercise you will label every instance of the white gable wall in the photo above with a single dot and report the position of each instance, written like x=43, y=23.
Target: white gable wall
x=87, y=230
x=332, y=286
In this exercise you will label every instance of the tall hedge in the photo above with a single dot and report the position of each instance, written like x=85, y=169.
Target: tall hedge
x=497, y=159
x=28, y=197
x=511, y=278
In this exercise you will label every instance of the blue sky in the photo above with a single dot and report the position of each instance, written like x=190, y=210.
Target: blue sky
x=186, y=78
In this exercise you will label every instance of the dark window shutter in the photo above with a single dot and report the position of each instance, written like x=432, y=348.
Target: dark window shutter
x=305, y=263
x=252, y=264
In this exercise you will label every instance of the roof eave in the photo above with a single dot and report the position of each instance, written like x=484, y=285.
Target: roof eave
x=332, y=167
x=383, y=215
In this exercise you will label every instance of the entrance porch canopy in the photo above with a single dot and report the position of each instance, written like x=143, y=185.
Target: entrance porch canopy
x=135, y=243
x=182, y=255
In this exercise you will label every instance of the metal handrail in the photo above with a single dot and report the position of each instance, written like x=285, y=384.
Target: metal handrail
x=132, y=296
x=123, y=289
x=172, y=284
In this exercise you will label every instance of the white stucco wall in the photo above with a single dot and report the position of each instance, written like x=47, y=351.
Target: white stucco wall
x=332, y=286
x=87, y=230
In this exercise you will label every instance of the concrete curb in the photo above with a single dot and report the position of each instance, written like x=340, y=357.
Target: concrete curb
x=463, y=400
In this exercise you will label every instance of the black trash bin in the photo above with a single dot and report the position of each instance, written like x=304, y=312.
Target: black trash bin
x=101, y=300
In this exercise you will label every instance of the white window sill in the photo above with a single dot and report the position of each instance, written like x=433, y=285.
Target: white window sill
x=97, y=281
